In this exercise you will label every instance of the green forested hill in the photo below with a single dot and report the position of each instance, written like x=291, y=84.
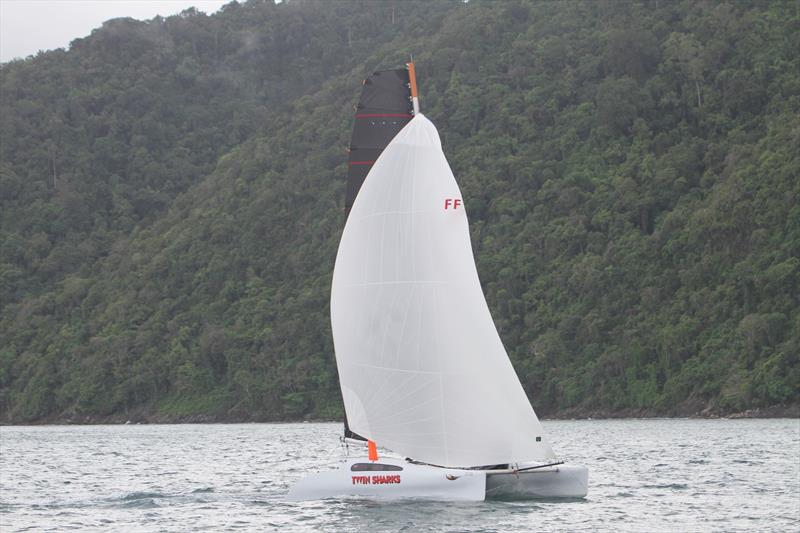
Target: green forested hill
x=172, y=196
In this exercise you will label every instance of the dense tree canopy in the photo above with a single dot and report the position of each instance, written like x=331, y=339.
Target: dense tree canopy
x=172, y=196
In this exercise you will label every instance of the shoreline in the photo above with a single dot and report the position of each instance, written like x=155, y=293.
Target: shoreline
x=775, y=411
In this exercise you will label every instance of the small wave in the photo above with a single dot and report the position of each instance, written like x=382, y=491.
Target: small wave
x=141, y=496
x=144, y=503
x=677, y=486
x=203, y=490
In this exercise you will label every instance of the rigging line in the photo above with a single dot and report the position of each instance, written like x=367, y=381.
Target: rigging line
x=538, y=466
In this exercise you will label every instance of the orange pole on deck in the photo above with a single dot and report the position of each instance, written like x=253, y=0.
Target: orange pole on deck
x=373, y=451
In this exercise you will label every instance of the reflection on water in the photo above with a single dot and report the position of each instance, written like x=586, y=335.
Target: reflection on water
x=655, y=475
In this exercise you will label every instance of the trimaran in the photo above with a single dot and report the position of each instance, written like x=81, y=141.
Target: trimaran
x=422, y=368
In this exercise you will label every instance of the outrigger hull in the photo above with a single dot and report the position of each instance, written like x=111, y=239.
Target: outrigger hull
x=560, y=481
x=393, y=479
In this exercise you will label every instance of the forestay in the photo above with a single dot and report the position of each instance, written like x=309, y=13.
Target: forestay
x=422, y=368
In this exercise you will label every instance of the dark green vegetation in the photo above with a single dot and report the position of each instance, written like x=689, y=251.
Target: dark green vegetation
x=172, y=198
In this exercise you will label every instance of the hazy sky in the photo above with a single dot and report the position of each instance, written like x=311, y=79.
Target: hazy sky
x=27, y=26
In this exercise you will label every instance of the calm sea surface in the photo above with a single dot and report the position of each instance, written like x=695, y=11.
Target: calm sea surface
x=644, y=475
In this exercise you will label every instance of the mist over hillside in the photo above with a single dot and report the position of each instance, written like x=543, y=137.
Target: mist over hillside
x=172, y=196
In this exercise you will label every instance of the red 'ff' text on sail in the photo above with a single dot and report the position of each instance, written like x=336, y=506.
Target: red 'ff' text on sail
x=452, y=203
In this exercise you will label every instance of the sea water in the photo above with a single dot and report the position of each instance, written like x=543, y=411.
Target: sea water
x=644, y=475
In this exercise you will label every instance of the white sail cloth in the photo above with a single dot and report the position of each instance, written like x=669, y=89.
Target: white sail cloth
x=422, y=368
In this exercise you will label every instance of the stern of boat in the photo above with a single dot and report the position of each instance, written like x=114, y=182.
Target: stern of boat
x=561, y=481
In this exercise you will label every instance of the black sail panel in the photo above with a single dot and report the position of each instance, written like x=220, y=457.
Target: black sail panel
x=382, y=111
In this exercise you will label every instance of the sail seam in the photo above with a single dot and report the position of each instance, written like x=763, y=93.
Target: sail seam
x=403, y=327
x=405, y=392
x=413, y=407
x=406, y=423
x=400, y=282
x=404, y=370
x=371, y=215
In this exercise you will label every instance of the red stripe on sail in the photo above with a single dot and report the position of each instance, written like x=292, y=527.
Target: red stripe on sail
x=367, y=115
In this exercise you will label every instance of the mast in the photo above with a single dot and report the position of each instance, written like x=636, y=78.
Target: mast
x=412, y=82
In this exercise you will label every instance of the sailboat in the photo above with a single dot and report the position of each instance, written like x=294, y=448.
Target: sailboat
x=422, y=369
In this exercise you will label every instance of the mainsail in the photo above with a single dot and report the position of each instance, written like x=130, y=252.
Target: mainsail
x=383, y=109
x=422, y=368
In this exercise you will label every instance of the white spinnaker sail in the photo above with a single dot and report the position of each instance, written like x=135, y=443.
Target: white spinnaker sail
x=422, y=368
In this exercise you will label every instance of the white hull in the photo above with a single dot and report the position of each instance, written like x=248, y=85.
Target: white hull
x=392, y=478
x=561, y=481
x=399, y=480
